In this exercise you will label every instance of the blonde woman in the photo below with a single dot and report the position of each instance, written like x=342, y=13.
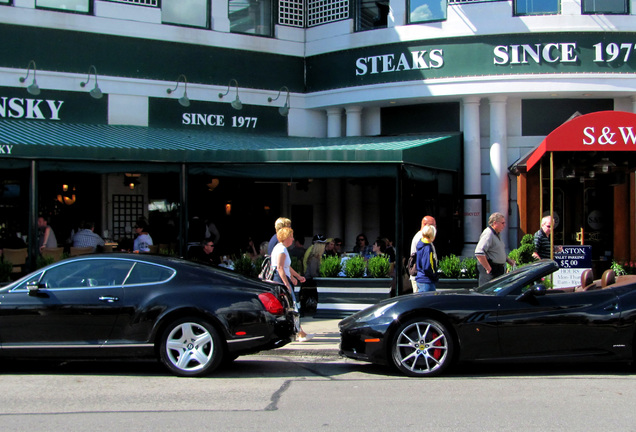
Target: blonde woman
x=284, y=273
x=281, y=222
x=314, y=259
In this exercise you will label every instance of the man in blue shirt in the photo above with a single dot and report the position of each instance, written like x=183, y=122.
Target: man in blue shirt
x=87, y=238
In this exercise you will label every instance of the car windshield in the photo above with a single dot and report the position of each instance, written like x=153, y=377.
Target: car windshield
x=516, y=278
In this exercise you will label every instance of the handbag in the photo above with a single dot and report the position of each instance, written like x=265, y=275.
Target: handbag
x=411, y=265
x=267, y=269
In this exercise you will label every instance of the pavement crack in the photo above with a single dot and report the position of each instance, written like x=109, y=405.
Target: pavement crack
x=273, y=405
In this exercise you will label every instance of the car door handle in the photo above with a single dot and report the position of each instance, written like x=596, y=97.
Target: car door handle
x=108, y=299
x=612, y=307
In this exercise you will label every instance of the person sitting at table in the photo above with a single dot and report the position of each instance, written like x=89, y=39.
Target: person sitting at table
x=362, y=246
x=143, y=239
x=86, y=237
x=203, y=253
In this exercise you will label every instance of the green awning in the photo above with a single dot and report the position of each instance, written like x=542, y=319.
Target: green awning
x=58, y=143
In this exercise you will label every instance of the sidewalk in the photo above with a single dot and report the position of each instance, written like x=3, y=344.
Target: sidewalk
x=325, y=343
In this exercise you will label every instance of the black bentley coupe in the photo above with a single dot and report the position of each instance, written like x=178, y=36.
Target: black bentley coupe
x=189, y=316
x=513, y=317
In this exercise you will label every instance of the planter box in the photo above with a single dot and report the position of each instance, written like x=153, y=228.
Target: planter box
x=456, y=283
x=341, y=297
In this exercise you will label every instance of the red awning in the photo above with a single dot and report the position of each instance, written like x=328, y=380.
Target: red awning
x=599, y=131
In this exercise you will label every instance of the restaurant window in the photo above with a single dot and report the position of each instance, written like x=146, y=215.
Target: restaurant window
x=421, y=11
x=251, y=17
x=80, y=6
x=192, y=13
x=537, y=7
x=371, y=14
x=534, y=121
x=615, y=7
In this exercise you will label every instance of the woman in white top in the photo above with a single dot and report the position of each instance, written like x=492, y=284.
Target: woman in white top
x=284, y=273
x=143, y=240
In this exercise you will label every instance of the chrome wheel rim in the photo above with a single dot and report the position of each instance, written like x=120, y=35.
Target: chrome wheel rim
x=189, y=347
x=421, y=347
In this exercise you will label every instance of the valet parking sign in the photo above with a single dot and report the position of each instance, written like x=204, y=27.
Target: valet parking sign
x=572, y=261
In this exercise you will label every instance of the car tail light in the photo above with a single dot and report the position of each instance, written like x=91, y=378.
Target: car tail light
x=271, y=303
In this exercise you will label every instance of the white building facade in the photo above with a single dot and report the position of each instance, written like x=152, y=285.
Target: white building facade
x=502, y=73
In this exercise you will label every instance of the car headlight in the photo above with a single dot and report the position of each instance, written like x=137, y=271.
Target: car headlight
x=376, y=312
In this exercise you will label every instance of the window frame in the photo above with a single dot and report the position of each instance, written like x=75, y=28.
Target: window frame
x=89, y=3
x=410, y=11
x=516, y=12
x=273, y=19
x=626, y=4
x=207, y=17
x=357, y=12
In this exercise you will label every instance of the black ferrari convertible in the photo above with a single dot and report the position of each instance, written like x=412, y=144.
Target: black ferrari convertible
x=513, y=317
x=189, y=316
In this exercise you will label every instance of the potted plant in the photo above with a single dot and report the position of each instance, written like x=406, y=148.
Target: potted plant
x=469, y=268
x=341, y=296
x=455, y=272
x=245, y=266
x=330, y=267
x=378, y=267
x=450, y=267
x=523, y=254
x=355, y=267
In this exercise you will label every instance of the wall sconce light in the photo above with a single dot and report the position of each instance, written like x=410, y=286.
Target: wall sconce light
x=228, y=209
x=213, y=184
x=604, y=165
x=131, y=181
x=236, y=103
x=284, y=110
x=33, y=88
x=96, y=92
x=183, y=100
x=64, y=197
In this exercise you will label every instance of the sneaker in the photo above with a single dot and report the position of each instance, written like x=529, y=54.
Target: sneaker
x=305, y=338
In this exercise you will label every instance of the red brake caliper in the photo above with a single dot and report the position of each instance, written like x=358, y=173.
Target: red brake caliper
x=437, y=354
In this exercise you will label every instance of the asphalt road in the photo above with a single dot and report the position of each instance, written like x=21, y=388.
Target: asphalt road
x=296, y=393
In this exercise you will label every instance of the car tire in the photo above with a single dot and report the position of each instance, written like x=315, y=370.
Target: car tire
x=422, y=347
x=191, y=347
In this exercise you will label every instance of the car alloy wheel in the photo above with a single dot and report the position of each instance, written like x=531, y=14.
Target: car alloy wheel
x=422, y=347
x=191, y=347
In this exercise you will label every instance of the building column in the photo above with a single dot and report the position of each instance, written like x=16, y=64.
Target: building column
x=353, y=193
x=334, y=122
x=333, y=208
x=353, y=214
x=498, y=161
x=472, y=174
x=354, y=120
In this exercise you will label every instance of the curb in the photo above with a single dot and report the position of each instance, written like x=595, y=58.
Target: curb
x=329, y=354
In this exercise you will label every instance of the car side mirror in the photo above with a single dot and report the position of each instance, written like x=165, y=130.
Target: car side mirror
x=537, y=290
x=33, y=287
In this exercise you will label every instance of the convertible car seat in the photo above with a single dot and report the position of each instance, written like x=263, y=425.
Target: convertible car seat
x=608, y=278
x=587, y=281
